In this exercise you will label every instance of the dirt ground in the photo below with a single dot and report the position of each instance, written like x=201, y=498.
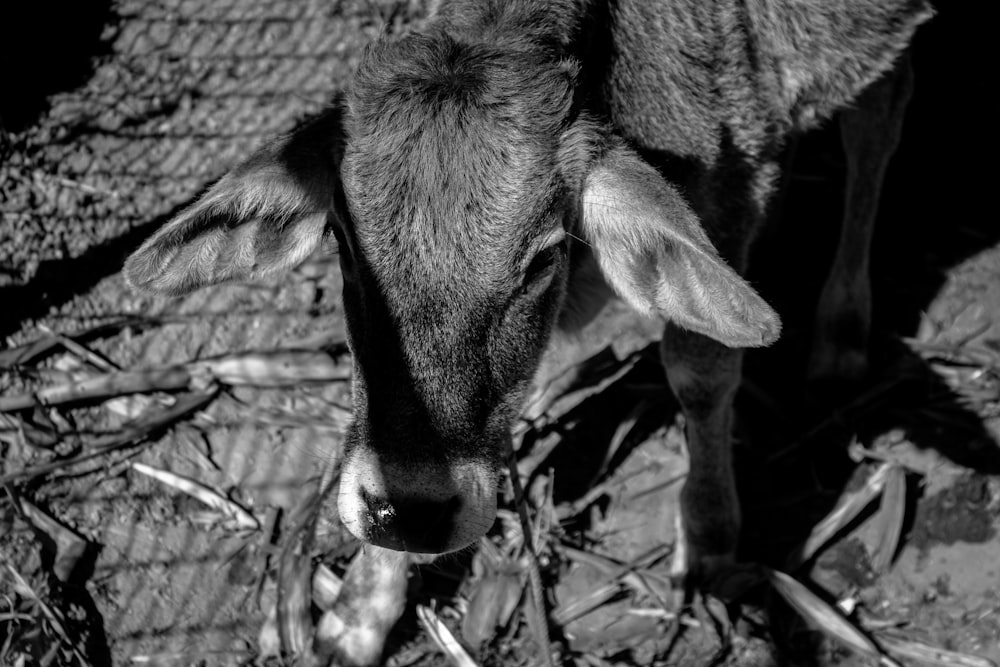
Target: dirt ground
x=145, y=103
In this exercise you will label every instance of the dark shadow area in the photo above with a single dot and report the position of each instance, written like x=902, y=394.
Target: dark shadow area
x=792, y=437
x=60, y=612
x=84, y=628
x=46, y=47
x=928, y=222
x=59, y=281
x=441, y=580
x=583, y=456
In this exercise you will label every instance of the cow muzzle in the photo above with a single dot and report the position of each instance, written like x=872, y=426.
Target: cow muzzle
x=417, y=508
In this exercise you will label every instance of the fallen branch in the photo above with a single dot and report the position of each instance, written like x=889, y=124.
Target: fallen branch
x=29, y=352
x=109, y=385
x=280, y=368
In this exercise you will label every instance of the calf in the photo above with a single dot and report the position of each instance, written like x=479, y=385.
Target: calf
x=500, y=174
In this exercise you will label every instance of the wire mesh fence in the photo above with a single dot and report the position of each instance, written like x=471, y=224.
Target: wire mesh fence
x=175, y=92
x=185, y=90
x=179, y=92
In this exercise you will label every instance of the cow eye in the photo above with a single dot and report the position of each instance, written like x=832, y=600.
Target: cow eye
x=543, y=266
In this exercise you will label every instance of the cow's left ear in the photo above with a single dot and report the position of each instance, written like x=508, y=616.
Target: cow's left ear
x=266, y=215
x=655, y=254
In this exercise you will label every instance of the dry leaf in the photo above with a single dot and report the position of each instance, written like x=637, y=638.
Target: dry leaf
x=822, y=615
x=243, y=519
x=906, y=649
x=580, y=606
x=567, y=381
x=849, y=507
x=497, y=587
x=269, y=637
x=326, y=587
x=622, y=433
x=889, y=519
x=294, y=594
x=443, y=637
x=70, y=546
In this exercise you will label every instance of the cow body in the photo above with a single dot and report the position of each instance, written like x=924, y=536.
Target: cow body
x=479, y=174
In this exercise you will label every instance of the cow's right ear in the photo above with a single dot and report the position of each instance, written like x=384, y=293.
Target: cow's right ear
x=265, y=216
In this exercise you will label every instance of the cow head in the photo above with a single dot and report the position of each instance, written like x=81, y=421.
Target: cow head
x=466, y=187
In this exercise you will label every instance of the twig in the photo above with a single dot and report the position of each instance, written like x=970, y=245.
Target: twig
x=89, y=356
x=29, y=352
x=171, y=378
x=279, y=368
x=189, y=658
x=534, y=576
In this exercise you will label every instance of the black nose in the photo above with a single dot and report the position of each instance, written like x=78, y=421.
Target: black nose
x=407, y=523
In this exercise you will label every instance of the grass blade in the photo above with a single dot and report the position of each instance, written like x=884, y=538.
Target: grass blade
x=889, y=520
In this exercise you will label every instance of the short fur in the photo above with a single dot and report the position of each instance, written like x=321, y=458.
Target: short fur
x=474, y=173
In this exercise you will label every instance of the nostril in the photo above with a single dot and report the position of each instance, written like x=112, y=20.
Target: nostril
x=380, y=511
x=411, y=524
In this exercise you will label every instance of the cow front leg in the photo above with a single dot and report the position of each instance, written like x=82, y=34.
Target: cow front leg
x=704, y=375
x=870, y=132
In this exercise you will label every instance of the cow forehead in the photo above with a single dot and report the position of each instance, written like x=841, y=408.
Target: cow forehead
x=444, y=210
x=451, y=158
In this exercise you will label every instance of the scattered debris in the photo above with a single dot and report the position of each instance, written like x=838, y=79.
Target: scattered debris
x=442, y=636
x=140, y=430
x=508, y=599
x=70, y=546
